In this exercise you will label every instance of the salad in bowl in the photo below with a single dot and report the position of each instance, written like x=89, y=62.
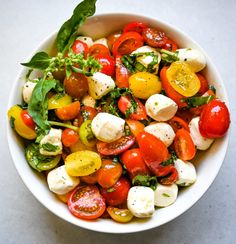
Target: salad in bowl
x=114, y=119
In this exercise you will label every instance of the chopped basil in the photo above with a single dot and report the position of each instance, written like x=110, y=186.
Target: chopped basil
x=197, y=101
x=145, y=180
x=110, y=189
x=165, y=195
x=50, y=147
x=12, y=122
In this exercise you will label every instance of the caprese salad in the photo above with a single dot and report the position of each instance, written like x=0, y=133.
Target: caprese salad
x=115, y=123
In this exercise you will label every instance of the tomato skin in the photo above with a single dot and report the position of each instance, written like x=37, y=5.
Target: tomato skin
x=134, y=163
x=80, y=47
x=109, y=173
x=112, y=38
x=27, y=119
x=204, y=84
x=90, y=179
x=124, y=104
x=127, y=43
x=169, y=172
x=214, y=120
x=107, y=62
x=86, y=113
x=135, y=26
x=120, y=215
x=98, y=48
x=69, y=137
x=170, y=45
x=135, y=126
x=118, y=193
x=122, y=74
x=183, y=145
x=68, y=112
x=178, y=123
x=154, y=37
x=116, y=147
x=85, y=202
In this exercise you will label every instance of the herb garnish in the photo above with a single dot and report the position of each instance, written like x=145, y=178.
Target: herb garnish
x=197, y=101
x=145, y=180
x=50, y=147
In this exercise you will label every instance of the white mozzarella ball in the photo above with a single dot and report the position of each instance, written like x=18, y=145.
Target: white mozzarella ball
x=60, y=182
x=140, y=201
x=202, y=143
x=160, y=107
x=165, y=195
x=87, y=100
x=86, y=39
x=162, y=131
x=28, y=90
x=102, y=41
x=107, y=127
x=186, y=173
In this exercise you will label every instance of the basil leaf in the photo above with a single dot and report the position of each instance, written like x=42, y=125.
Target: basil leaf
x=81, y=12
x=40, y=60
x=49, y=147
x=197, y=101
x=145, y=180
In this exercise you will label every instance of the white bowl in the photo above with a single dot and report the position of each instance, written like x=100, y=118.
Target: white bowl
x=207, y=163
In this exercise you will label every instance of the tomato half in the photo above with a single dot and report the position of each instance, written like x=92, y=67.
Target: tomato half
x=112, y=38
x=116, y=147
x=135, y=126
x=170, y=45
x=69, y=137
x=90, y=179
x=107, y=62
x=86, y=113
x=169, y=172
x=127, y=43
x=27, y=119
x=120, y=215
x=214, y=120
x=86, y=135
x=154, y=37
x=134, y=163
x=97, y=48
x=204, y=86
x=80, y=47
x=178, y=123
x=122, y=74
x=69, y=111
x=135, y=26
x=85, y=202
x=118, y=193
x=183, y=145
x=125, y=104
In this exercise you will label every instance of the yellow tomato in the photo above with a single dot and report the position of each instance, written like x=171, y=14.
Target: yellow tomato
x=14, y=115
x=59, y=102
x=144, y=84
x=120, y=215
x=79, y=146
x=183, y=79
x=64, y=197
x=82, y=163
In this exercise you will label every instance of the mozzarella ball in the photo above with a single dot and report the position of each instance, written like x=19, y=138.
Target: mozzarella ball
x=28, y=90
x=86, y=39
x=107, y=127
x=160, y=107
x=87, y=100
x=102, y=41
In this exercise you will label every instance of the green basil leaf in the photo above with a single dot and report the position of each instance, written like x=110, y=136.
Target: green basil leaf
x=49, y=147
x=81, y=12
x=40, y=60
x=145, y=180
x=197, y=101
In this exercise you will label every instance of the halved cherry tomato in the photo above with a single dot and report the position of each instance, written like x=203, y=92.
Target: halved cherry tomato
x=112, y=38
x=127, y=43
x=122, y=74
x=169, y=172
x=68, y=112
x=69, y=137
x=170, y=91
x=154, y=37
x=86, y=135
x=183, y=145
x=125, y=104
x=64, y=198
x=178, y=123
x=116, y=147
x=120, y=215
x=86, y=113
x=27, y=119
x=109, y=173
x=107, y=62
x=204, y=84
x=134, y=163
x=170, y=45
x=135, y=26
x=135, y=126
x=80, y=47
x=90, y=179
x=98, y=48
x=85, y=202
x=214, y=120
x=118, y=193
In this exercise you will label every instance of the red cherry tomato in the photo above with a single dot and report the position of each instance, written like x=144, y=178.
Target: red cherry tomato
x=214, y=120
x=135, y=126
x=124, y=105
x=178, y=123
x=134, y=163
x=85, y=202
x=86, y=113
x=135, y=26
x=170, y=45
x=107, y=62
x=69, y=137
x=118, y=193
x=80, y=47
x=27, y=119
x=112, y=38
x=183, y=145
x=98, y=49
x=204, y=84
x=116, y=147
x=127, y=43
x=122, y=74
x=169, y=172
x=90, y=179
x=154, y=37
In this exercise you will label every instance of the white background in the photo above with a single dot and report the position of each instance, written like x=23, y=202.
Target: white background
x=23, y=25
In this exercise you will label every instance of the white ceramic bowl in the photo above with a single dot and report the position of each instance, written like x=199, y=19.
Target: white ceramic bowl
x=207, y=163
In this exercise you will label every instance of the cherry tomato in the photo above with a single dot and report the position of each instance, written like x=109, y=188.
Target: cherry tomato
x=109, y=173
x=170, y=91
x=86, y=113
x=69, y=111
x=183, y=145
x=118, y=193
x=122, y=74
x=125, y=104
x=107, y=62
x=85, y=202
x=170, y=45
x=112, y=38
x=64, y=198
x=97, y=48
x=27, y=119
x=214, y=120
x=203, y=84
x=120, y=215
x=135, y=26
x=76, y=85
x=127, y=43
x=86, y=135
x=59, y=102
x=116, y=147
x=134, y=163
x=80, y=47
x=169, y=172
x=90, y=179
x=69, y=137
x=135, y=126
x=154, y=37
x=178, y=123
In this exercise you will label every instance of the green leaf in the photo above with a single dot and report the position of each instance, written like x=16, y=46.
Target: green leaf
x=12, y=122
x=197, y=101
x=40, y=60
x=145, y=180
x=81, y=12
x=49, y=147
x=165, y=195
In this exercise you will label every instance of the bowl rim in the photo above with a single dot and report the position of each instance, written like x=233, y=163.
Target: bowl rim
x=144, y=227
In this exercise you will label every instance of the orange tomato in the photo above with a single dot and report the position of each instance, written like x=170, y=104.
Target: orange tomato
x=135, y=126
x=68, y=112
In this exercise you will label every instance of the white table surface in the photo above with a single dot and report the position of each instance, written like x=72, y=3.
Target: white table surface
x=23, y=24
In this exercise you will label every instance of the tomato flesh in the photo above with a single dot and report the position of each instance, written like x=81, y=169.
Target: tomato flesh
x=69, y=137
x=135, y=26
x=178, y=123
x=122, y=74
x=80, y=47
x=107, y=62
x=27, y=119
x=154, y=37
x=96, y=49
x=69, y=111
x=135, y=126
